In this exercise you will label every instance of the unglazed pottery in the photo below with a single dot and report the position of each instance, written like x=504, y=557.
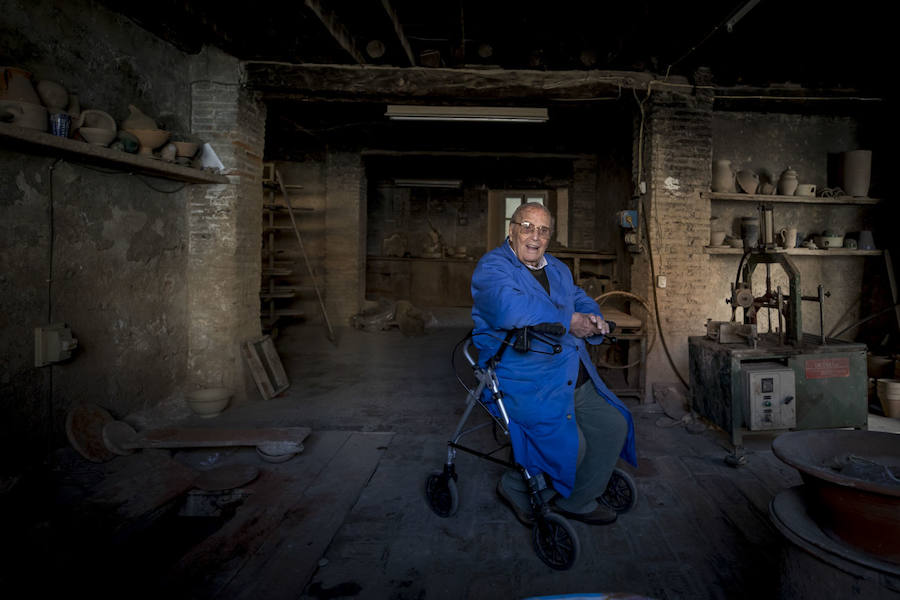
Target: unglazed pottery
x=722, y=176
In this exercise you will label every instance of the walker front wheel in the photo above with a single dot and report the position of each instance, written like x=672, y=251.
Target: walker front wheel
x=443, y=497
x=555, y=541
x=621, y=492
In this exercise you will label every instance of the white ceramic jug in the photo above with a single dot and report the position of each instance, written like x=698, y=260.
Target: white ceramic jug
x=722, y=176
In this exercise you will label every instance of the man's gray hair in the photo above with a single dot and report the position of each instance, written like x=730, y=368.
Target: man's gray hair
x=516, y=216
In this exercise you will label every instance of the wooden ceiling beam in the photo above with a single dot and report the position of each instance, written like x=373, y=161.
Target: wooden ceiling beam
x=398, y=29
x=278, y=81
x=338, y=31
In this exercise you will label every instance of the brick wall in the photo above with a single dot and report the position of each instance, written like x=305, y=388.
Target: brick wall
x=677, y=150
x=345, y=231
x=225, y=231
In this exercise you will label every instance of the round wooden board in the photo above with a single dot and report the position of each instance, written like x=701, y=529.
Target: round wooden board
x=84, y=428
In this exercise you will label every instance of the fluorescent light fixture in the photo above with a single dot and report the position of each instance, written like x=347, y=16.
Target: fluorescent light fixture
x=429, y=183
x=506, y=114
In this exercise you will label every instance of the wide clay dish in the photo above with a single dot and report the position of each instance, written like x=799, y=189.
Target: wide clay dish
x=851, y=483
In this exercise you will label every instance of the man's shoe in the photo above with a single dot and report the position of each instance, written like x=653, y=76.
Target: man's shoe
x=602, y=515
x=524, y=517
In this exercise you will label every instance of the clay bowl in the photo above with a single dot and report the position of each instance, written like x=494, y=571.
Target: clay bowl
x=97, y=119
x=209, y=402
x=748, y=181
x=98, y=136
x=829, y=241
x=150, y=139
x=849, y=482
x=186, y=149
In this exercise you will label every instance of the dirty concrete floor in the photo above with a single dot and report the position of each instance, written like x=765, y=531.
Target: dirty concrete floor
x=347, y=518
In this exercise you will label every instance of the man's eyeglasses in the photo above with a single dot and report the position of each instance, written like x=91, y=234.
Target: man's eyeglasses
x=528, y=228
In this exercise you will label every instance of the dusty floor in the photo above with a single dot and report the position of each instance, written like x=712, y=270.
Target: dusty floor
x=348, y=518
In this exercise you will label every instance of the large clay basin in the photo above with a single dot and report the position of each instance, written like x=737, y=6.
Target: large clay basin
x=850, y=488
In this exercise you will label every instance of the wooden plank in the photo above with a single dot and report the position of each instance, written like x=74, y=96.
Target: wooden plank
x=100, y=155
x=279, y=378
x=138, y=484
x=379, y=83
x=337, y=29
x=258, y=370
x=287, y=559
x=272, y=545
x=195, y=437
x=209, y=566
x=789, y=199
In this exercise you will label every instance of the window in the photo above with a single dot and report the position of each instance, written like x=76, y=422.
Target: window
x=502, y=205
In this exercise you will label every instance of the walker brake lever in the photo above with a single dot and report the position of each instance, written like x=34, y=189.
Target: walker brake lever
x=612, y=326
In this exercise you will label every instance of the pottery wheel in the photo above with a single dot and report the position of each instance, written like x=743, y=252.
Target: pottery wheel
x=84, y=428
x=226, y=477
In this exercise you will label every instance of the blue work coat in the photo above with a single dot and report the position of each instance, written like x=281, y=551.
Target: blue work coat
x=538, y=386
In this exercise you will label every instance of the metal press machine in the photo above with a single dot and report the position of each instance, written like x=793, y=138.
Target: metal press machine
x=744, y=380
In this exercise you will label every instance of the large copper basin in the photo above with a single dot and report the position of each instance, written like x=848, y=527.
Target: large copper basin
x=852, y=489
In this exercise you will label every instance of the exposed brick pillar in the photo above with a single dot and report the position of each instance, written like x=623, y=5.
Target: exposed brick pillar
x=345, y=236
x=677, y=153
x=225, y=227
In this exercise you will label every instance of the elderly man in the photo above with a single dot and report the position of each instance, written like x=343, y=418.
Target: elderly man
x=565, y=423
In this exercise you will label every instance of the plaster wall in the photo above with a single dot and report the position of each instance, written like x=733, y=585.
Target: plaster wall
x=119, y=245
x=683, y=135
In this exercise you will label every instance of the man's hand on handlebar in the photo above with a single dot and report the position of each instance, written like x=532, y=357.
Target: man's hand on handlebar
x=585, y=325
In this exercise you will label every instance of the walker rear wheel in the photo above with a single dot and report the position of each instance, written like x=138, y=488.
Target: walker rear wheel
x=555, y=541
x=443, y=497
x=621, y=492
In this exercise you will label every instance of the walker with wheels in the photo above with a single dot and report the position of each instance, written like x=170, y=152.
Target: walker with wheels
x=553, y=537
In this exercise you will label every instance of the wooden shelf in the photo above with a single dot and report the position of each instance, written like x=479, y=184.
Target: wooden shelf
x=799, y=251
x=52, y=145
x=858, y=200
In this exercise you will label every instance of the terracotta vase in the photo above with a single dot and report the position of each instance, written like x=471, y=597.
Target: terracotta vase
x=15, y=85
x=722, y=176
x=138, y=120
x=857, y=168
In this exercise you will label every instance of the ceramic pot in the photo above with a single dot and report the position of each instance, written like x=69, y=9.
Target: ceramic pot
x=857, y=169
x=787, y=237
x=98, y=136
x=787, y=183
x=750, y=231
x=138, y=120
x=15, y=84
x=716, y=238
x=806, y=189
x=150, y=139
x=866, y=241
x=53, y=95
x=95, y=118
x=748, y=181
x=722, y=176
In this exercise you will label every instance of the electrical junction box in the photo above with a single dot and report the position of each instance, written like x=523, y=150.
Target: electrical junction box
x=53, y=343
x=770, y=396
x=627, y=219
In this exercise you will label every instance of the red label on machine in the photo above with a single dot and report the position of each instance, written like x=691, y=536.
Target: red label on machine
x=826, y=368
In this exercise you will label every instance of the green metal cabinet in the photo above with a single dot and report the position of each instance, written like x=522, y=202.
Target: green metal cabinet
x=830, y=380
